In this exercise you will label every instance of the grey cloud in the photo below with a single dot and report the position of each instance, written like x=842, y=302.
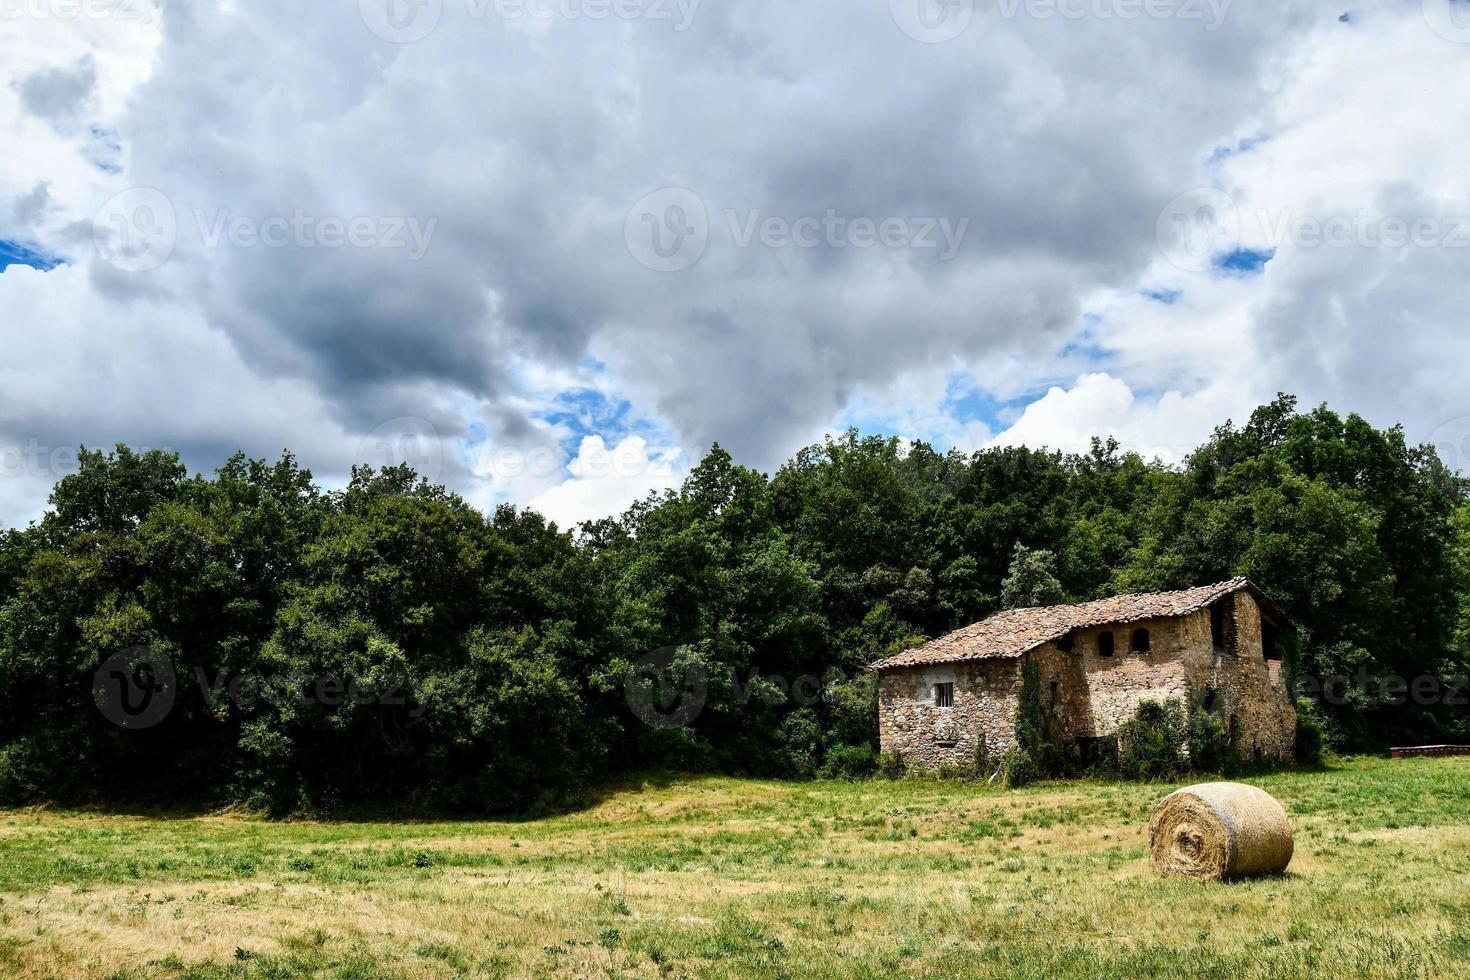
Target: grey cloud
x=531, y=154
x=61, y=96
x=30, y=208
x=528, y=143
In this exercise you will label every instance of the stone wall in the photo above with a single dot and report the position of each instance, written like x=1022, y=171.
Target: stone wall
x=1090, y=695
x=986, y=696
x=1253, y=688
x=1099, y=693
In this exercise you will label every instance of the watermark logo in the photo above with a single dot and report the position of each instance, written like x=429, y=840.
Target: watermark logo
x=401, y=21
x=406, y=439
x=1450, y=19
x=664, y=692
x=136, y=230
x=1197, y=226
x=668, y=230
x=1451, y=441
x=135, y=688
x=932, y=21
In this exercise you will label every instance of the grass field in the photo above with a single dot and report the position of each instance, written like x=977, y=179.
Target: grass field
x=727, y=877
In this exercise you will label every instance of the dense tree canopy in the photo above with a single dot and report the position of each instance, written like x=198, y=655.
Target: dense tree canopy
x=388, y=642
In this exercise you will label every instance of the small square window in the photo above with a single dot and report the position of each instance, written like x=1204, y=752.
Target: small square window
x=944, y=695
x=1105, y=644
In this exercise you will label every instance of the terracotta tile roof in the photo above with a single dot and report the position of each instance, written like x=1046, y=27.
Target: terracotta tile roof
x=1016, y=631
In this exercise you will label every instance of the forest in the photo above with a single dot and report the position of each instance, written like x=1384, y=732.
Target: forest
x=388, y=643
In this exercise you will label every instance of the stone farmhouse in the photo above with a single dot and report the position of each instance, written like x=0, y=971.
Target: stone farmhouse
x=1214, y=647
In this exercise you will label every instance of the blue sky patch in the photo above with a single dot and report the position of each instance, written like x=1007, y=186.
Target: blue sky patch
x=1244, y=146
x=590, y=412
x=1084, y=345
x=105, y=150
x=14, y=253
x=1246, y=261
x=1166, y=296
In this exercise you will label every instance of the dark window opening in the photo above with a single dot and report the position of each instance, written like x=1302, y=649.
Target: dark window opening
x=1211, y=701
x=1217, y=626
x=1056, y=693
x=1270, y=646
x=1105, y=644
x=1140, y=641
x=1067, y=643
x=944, y=695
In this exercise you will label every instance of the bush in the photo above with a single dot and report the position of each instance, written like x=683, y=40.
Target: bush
x=22, y=773
x=800, y=736
x=1208, y=742
x=1017, y=768
x=849, y=762
x=1311, y=733
x=1153, y=743
x=853, y=710
x=890, y=765
x=982, y=758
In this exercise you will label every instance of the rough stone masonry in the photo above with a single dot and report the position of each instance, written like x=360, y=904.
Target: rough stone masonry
x=1215, y=647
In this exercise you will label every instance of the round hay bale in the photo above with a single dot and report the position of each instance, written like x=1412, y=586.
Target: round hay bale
x=1216, y=831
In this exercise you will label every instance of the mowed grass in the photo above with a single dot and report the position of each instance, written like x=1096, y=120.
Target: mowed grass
x=742, y=878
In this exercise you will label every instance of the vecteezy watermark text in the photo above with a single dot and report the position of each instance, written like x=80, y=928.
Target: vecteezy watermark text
x=937, y=21
x=670, y=688
x=302, y=229
x=138, y=229
x=1200, y=227
x=147, y=12
x=137, y=688
x=1369, y=689
x=408, y=21
x=36, y=460
x=669, y=231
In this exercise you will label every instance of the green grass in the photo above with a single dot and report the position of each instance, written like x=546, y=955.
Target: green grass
x=727, y=877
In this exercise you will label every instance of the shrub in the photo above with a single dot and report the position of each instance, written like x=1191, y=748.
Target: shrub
x=890, y=765
x=1017, y=768
x=800, y=736
x=22, y=773
x=853, y=710
x=1153, y=743
x=982, y=758
x=849, y=762
x=1311, y=733
x=1208, y=742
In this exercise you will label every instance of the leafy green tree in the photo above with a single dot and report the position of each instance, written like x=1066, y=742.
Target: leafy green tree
x=1031, y=581
x=513, y=640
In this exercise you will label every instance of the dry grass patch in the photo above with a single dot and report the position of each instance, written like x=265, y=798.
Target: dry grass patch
x=724, y=877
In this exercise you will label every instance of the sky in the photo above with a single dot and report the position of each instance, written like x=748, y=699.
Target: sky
x=549, y=251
